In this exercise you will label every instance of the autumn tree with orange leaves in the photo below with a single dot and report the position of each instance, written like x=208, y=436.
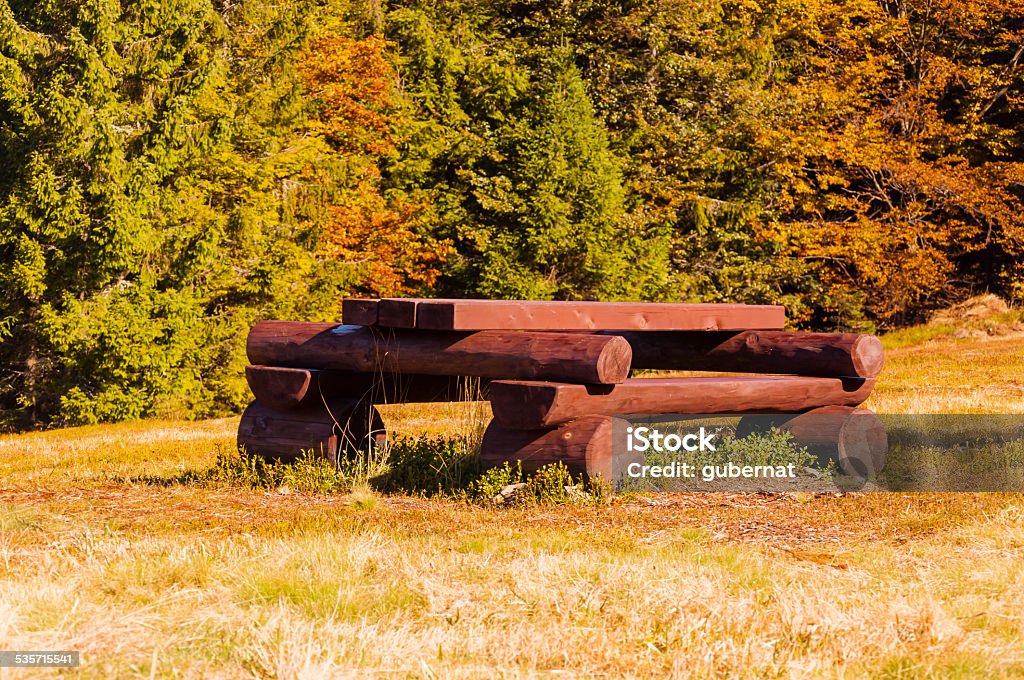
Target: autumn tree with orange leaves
x=382, y=232
x=912, y=185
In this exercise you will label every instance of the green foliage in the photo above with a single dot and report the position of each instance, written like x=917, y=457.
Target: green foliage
x=530, y=187
x=549, y=484
x=146, y=217
x=491, y=481
x=308, y=474
x=428, y=465
x=552, y=219
x=172, y=171
x=774, y=447
x=552, y=484
x=436, y=467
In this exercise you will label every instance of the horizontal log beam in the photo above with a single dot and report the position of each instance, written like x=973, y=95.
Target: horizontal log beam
x=538, y=315
x=813, y=354
x=287, y=388
x=571, y=357
x=338, y=429
x=533, y=405
x=584, y=446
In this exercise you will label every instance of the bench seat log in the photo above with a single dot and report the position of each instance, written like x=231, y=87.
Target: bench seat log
x=572, y=357
x=532, y=405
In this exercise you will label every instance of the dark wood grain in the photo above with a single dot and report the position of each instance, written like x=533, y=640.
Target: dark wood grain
x=532, y=405
x=335, y=430
x=359, y=311
x=286, y=388
x=572, y=357
x=584, y=446
x=397, y=312
x=813, y=354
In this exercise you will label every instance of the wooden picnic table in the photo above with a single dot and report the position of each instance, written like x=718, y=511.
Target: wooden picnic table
x=553, y=371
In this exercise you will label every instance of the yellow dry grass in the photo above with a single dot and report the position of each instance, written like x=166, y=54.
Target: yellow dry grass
x=953, y=375
x=184, y=581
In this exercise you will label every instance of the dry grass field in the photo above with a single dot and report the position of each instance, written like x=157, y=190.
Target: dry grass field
x=186, y=580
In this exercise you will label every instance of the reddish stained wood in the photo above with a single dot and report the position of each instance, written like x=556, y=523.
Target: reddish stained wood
x=286, y=388
x=584, y=446
x=591, y=316
x=397, y=312
x=403, y=312
x=278, y=387
x=359, y=311
x=533, y=405
x=572, y=357
x=814, y=354
x=854, y=438
x=335, y=430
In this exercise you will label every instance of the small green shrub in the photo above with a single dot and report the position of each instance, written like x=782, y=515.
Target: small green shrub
x=309, y=473
x=437, y=467
x=774, y=447
x=550, y=485
x=490, y=482
x=428, y=465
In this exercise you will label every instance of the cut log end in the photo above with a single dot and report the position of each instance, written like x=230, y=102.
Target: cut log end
x=279, y=388
x=863, y=444
x=853, y=438
x=868, y=356
x=614, y=361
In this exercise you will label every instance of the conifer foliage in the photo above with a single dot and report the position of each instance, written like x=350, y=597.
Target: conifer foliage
x=172, y=170
x=141, y=205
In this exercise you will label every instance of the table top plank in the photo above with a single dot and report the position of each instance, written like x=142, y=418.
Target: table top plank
x=466, y=315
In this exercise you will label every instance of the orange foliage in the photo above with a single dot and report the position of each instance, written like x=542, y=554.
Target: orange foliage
x=376, y=234
x=903, y=182
x=381, y=232
x=354, y=86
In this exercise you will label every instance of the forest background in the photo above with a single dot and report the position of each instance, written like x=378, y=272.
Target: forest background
x=172, y=170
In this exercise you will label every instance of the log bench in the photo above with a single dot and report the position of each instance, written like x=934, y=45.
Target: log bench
x=557, y=375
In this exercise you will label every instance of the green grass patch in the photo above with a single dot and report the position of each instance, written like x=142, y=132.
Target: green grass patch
x=429, y=467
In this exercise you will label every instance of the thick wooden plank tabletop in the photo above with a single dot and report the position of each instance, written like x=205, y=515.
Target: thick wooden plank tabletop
x=537, y=315
x=359, y=311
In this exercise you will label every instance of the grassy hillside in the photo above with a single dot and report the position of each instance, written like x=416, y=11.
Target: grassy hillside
x=164, y=579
